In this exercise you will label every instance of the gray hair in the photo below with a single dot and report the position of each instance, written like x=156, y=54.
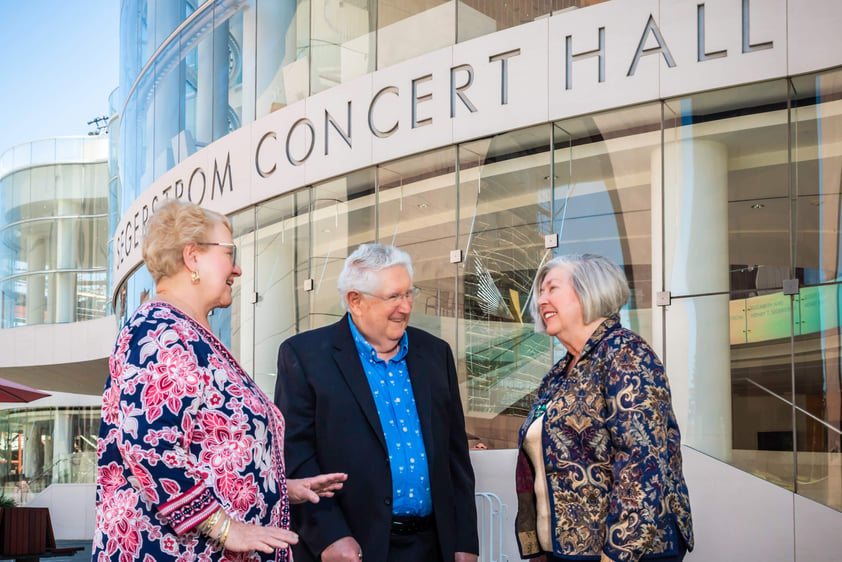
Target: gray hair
x=599, y=283
x=362, y=268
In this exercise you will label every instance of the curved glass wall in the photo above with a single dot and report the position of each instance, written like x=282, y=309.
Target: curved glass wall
x=54, y=233
x=723, y=208
x=186, y=85
x=43, y=446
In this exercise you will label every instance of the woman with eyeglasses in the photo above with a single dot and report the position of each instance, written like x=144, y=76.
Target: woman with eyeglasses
x=190, y=452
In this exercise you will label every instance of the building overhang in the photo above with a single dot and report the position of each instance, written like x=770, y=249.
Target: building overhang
x=59, y=357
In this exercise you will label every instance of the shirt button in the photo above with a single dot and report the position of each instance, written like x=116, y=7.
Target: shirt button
x=388, y=501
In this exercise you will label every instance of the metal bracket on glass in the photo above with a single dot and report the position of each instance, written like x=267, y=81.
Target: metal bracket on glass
x=308, y=284
x=791, y=286
x=663, y=298
x=455, y=256
x=551, y=241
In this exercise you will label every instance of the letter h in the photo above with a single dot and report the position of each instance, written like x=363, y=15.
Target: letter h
x=599, y=53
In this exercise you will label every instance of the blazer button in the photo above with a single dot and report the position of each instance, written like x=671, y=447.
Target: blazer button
x=388, y=501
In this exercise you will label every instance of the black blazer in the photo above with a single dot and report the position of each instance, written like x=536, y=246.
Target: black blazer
x=332, y=426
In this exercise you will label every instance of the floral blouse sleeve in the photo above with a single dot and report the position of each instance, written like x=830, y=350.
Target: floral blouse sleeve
x=157, y=387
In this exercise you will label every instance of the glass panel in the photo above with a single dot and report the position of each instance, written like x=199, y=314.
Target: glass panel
x=233, y=73
x=408, y=28
x=342, y=41
x=761, y=388
x=39, y=447
x=234, y=325
x=504, y=198
x=726, y=157
x=481, y=17
x=602, y=201
x=726, y=211
x=342, y=217
x=416, y=202
x=282, y=261
x=282, y=54
x=817, y=169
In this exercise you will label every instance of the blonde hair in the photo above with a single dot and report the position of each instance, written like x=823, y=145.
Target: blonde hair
x=173, y=226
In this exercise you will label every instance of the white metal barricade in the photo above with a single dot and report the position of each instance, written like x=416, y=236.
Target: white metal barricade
x=490, y=511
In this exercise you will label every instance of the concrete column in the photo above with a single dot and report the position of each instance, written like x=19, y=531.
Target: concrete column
x=65, y=283
x=694, y=192
x=36, y=259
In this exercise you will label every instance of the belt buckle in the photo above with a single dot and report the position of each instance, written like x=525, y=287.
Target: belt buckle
x=409, y=525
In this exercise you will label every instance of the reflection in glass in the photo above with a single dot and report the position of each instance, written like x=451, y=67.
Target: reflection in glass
x=52, y=251
x=282, y=54
x=416, y=199
x=408, y=28
x=504, y=194
x=282, y=265
x=816, y=170
x=342, y=215
x=342, y=45
x=481, y=17
x=44, y=446
x=602, y=197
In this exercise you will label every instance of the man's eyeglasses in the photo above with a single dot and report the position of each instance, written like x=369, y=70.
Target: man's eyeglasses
x=396, y=298
x=227, y=245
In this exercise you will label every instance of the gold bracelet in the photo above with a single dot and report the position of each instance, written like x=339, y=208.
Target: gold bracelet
x=210, y=522
x=223, y=534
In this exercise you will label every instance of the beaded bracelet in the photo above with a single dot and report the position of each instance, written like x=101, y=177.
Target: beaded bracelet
x=223, y=533
x=210, y=522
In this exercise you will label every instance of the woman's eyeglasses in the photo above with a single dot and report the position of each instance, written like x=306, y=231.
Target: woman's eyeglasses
x=227, y=245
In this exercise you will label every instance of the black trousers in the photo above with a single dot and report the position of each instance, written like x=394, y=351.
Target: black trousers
x=418, y=547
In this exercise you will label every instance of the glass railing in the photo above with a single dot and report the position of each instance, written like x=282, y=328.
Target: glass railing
x=52, y=151
x=802, y=459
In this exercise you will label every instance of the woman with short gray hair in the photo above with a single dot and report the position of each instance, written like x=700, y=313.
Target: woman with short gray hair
x=599, y=472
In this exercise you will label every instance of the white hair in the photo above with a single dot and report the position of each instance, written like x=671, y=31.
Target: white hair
x=362, y=268
x=599, y=283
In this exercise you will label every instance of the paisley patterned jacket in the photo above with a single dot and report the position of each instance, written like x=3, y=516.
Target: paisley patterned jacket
x=612, y=455
x=183, y=432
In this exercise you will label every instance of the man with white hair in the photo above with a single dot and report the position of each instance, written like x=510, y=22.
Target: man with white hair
x=379, y=400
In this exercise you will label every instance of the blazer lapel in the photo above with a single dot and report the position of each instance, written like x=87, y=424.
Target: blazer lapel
x=348, y=361
x=420, y=370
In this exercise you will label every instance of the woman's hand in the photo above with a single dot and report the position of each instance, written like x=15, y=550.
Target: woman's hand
x=243, y=537
x=310, y=489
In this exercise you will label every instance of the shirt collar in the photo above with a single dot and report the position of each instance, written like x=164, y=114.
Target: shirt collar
x=367, y=351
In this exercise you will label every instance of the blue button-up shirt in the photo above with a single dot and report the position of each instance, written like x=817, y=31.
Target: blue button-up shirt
x=395, y=402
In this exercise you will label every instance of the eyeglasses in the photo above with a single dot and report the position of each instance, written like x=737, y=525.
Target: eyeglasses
x=227, y=245
x=396, y=298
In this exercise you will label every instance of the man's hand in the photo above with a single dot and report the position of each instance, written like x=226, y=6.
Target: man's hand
x=310, y=489
x=466, y=557
x=345, y=549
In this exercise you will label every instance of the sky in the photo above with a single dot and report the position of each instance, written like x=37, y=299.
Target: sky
x=58, y=65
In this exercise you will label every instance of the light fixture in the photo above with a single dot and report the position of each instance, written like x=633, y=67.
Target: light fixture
x=422, y=205
x=758, y=206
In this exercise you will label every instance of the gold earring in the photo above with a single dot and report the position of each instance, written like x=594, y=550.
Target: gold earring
x=194, y=277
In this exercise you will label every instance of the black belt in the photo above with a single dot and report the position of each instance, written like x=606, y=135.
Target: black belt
x=410, y=524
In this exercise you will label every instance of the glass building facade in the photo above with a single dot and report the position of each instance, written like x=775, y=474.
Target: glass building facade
x=722, y=206
x=54, y=229
x=43, y=446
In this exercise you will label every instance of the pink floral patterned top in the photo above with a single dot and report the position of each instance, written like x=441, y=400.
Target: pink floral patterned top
x=184, y=431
